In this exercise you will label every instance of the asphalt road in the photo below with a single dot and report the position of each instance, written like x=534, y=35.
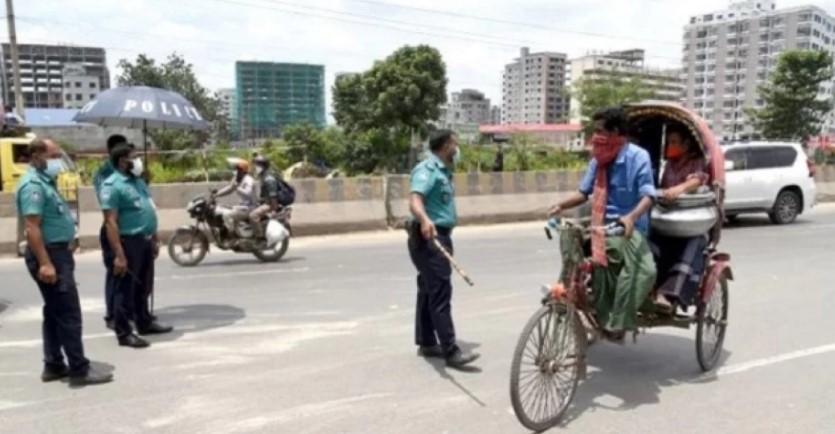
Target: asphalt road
x=323, y=343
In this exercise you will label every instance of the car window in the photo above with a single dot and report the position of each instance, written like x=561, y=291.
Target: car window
x=738, y=157
x=771, y=157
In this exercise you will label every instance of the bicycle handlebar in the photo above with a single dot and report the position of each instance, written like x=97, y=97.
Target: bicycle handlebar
x=614, y=229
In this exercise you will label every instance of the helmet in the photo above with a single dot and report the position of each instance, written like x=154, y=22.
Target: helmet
x=261, y=161
x=243, y=166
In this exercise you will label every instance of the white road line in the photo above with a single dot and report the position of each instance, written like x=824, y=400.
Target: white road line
x=773, y=360
x=231, y=274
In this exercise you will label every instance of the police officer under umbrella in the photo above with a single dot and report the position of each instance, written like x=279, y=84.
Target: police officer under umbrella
x=102, y=174
x=432, y=205
x=49, y=231
x=131, y=220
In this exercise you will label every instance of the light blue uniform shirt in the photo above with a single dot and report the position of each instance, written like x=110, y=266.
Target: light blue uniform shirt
x=433, y=180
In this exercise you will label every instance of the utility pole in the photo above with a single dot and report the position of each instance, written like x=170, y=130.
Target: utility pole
x=18, y=91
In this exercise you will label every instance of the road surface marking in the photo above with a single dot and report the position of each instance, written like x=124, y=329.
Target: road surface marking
x=231, y=274
x=773, y=360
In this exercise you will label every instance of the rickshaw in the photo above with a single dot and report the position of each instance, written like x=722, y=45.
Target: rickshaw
x=550, y=357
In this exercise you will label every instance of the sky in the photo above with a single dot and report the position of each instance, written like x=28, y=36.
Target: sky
x=476, y=37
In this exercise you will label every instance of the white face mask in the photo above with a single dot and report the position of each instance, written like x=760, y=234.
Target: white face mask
x=259, y=170
x=136, y=168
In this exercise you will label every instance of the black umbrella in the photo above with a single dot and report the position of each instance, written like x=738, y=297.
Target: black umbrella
x=142, y=107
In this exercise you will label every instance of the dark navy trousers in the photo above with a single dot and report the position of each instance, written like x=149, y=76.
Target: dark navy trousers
x=61, y=312
x=433, y=316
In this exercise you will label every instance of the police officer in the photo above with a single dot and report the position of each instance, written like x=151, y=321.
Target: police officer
x=432, y=205
x=102, y=174
x=269, y=196
x=49, y=230
x=131, y=220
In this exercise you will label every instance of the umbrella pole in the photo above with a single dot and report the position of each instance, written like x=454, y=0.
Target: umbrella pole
x=145, y=140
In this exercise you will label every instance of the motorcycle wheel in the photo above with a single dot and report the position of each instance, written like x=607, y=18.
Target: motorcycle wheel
x=199, y=246
x=274, y=254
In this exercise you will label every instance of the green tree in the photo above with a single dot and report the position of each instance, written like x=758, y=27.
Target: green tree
x=793, y=109
x=612, y=88
x=380, y=109
x=177, y=75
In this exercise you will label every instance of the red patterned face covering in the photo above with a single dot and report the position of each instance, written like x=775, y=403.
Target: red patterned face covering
x=605, y=150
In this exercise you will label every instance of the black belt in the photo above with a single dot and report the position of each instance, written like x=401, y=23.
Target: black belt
x=57, y=246
x=138, y=237
x=443, y=230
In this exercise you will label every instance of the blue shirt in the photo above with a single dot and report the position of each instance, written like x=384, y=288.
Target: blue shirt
x=433, y=180
x=37, y=195
x=630, y=179
x=131, y=199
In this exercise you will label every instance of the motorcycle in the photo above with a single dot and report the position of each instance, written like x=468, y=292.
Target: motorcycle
x=209, y=220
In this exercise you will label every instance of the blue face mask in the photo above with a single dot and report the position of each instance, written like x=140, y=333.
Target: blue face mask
x=456, y=158
x=53, y=167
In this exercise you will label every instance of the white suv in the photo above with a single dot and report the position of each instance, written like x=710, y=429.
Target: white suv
x=772, y=177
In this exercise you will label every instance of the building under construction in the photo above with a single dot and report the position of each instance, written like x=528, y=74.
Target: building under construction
x=271, y=96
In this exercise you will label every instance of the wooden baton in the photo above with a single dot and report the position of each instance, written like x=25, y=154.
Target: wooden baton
x=453, y=262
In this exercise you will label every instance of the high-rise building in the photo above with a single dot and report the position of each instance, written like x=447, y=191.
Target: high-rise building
x=627, y=65
x=728, y=54
x=271, y=96
x=42, y=69
x=468, y=107
x=80, y=87
x=495, y=115
x=227, y=100
x=533, y=89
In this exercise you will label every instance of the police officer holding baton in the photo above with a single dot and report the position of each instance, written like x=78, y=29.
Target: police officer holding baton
x=432, y=205
x=131, y=220
x=49, y=230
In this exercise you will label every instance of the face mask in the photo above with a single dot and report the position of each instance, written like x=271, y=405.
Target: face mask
x=259, y=170
x=674, y=152
x=456, y=157
x=53, y=167
x=136, y=166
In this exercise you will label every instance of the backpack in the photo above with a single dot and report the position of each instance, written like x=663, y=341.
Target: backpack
x=286, y=193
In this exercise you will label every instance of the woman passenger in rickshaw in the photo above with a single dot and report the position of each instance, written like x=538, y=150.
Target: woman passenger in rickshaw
x=680, y=261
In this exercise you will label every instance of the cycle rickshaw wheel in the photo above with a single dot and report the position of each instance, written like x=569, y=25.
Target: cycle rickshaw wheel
x=546, y=366
x=712, y=321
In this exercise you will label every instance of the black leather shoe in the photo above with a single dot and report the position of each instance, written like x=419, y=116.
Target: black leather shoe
x=156, y=329
x=434, y=351
x=133, y=341
x=459, y=359
x=109, y=323
x=54, y=373
x=92, y=377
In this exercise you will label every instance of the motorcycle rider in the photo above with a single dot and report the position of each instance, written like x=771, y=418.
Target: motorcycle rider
x=244, y=185
x=269, y=197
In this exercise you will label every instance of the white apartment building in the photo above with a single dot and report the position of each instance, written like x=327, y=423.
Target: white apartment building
x=227, y=101
x=666, y=84
x=728, y=54
x=80, y=87
x=533, y=89
x=468, y=107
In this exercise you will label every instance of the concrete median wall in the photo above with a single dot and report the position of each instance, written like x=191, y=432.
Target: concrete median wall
x=363, y=204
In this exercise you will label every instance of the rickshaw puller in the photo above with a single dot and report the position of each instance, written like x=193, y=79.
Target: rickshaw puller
x=620, y=181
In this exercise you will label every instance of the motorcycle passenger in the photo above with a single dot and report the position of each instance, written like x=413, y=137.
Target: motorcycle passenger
x=620, y=182
x=244, y=185
x=269, y=197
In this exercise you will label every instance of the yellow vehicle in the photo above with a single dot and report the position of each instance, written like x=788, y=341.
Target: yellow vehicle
x=14, y=162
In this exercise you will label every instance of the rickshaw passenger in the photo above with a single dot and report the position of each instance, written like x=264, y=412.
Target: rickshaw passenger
x=680, y=260
x=620, y=181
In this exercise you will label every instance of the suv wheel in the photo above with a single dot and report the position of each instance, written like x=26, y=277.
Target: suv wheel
x=786, y=208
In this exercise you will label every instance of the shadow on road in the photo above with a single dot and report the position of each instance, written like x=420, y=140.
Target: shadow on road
x=636, y=374
x=196, y=318
x=4, y=304
x=251, y=260
x=444, y=372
